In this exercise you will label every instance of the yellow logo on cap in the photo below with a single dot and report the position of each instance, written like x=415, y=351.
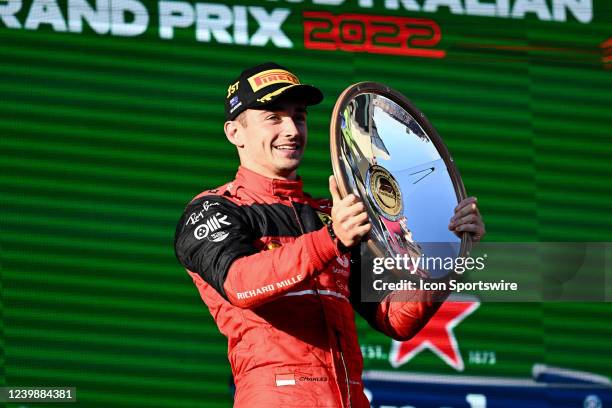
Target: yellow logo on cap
x=232, y=88
x=268, y=97
x=270, y=77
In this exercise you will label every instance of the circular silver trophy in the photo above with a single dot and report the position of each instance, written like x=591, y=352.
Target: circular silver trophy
x=385, y=151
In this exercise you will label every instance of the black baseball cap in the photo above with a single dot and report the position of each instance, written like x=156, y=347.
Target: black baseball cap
x=263, y=84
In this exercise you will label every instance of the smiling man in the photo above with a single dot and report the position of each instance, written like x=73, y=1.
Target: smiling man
x=274, y=272
x=270, y=141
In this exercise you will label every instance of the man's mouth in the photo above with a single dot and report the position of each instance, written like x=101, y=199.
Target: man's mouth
x=288, y=147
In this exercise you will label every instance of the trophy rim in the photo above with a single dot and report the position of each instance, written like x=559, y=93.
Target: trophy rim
x=335, y=138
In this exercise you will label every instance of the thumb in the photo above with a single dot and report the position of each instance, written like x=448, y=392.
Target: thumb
x=333, y=189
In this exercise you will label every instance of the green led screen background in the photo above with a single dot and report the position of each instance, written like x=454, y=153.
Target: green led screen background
x=106, y=137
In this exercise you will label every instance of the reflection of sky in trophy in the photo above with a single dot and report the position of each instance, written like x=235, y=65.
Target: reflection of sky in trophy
x=377, y=131
x=403, y=142
x=433, y=196
x=427, y=191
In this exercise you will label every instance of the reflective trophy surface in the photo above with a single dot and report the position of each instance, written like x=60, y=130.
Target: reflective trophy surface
x=385, y=151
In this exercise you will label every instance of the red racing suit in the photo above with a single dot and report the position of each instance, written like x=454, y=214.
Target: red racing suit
x=280, y=291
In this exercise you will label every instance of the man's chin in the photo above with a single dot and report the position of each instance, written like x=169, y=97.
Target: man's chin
x=288, y=167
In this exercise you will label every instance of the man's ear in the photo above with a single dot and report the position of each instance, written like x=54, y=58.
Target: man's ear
x=233, y=132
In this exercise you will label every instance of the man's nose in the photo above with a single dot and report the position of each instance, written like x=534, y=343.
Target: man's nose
x=290, y=127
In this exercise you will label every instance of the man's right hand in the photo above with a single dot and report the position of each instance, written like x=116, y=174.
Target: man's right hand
x=349, y=216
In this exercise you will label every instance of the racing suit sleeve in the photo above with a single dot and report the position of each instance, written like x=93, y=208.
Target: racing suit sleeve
x=401, y=318
x=397, y=314
x=214, y=238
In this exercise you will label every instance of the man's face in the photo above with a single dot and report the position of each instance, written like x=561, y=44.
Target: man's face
x=272, y=140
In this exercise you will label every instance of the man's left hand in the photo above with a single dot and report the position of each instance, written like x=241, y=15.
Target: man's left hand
x=467, y=218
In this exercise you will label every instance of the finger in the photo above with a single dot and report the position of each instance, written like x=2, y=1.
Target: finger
x=357, y=220
x=472, y=229
x=344, y=208
x=351, y=224
x=358, y=232
x=333, y=189
x=364, y=229
x=348, y=214
x=349, y=200
x=355, y=209
x=471, y=208
x=465, y=202
x=468, y=219
x=476, y=232
x=475, y=228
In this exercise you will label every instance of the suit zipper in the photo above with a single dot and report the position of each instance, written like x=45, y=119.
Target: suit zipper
x=297, y=217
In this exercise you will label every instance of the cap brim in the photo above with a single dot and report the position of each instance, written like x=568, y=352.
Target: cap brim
x=308, y=94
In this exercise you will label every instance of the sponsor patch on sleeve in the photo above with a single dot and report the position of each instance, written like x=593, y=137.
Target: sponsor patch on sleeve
x=195, y=217
x=213, y=228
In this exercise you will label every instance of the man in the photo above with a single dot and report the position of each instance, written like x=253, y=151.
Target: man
x=276, y=279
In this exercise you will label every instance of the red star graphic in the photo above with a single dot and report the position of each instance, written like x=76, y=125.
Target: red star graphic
x=437, y=335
